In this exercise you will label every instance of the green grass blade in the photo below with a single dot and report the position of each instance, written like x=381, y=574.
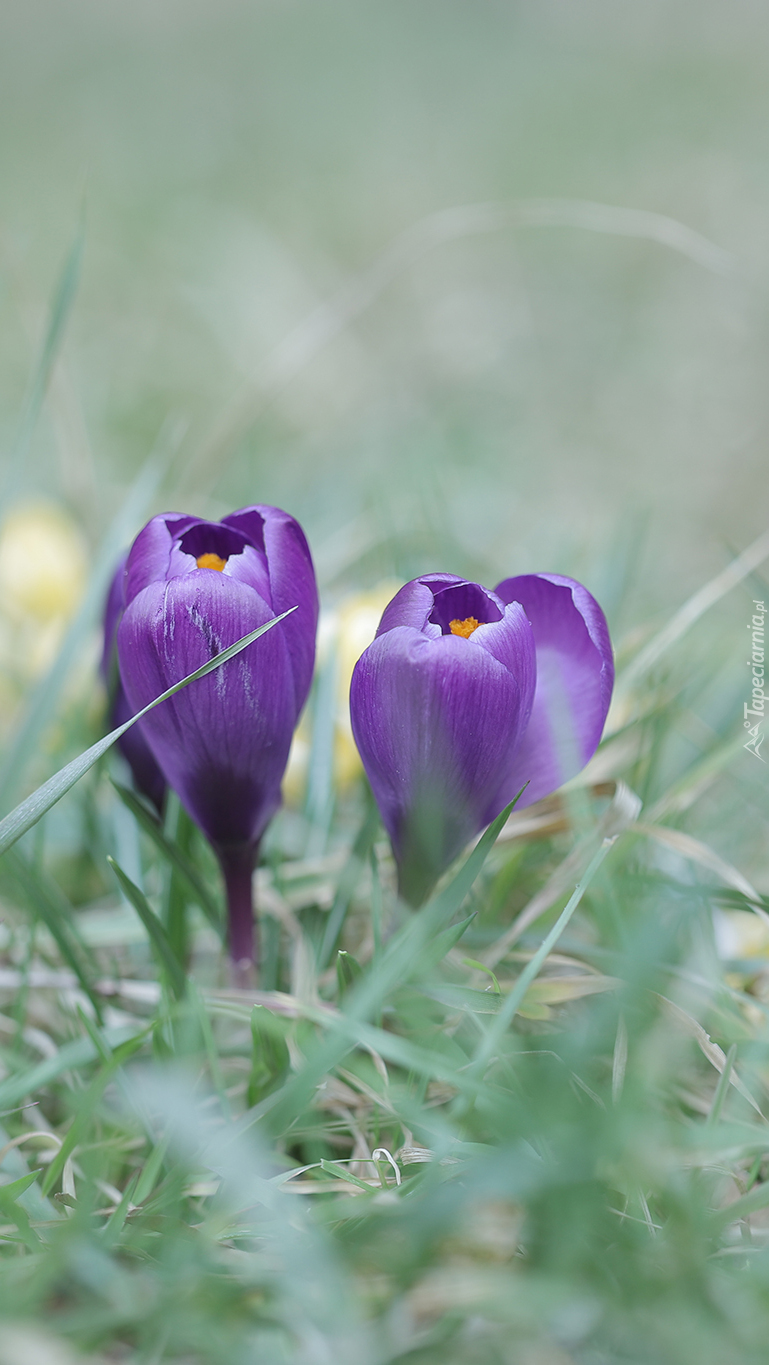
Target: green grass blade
x=444, y=942
x=103, y=1047
x=200, y=1013
x=29, y=811
x=11, y=1191
x=61, y=307
x=401, y=958
x=339, y=1173
x=179, y=828
x=348, y=881
x=158, y=937
x=173, y=854
x=151, y=1170
x=114, y=1224
x=513, y=1001
x=87, y=1101
x=52, y=907
x=722, y=1089
x=348, y=971
x=10, y=1209
x=68, y=1058
x=756, y=1199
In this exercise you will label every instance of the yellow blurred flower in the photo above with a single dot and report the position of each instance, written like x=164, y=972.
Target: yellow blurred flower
x=295, y=776
x=740, y=934
x=43, y=566
x=345, y=632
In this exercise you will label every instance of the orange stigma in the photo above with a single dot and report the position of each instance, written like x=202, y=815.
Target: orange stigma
x=211, y=561
x=464, y=628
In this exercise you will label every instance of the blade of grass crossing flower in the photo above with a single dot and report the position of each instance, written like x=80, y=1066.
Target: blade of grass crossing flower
x=449, y=900
x=167, y=959
x=509, y=1008
x=403, y=956
x=29, y=811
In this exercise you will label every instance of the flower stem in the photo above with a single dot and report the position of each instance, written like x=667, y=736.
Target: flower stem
x=237, y=863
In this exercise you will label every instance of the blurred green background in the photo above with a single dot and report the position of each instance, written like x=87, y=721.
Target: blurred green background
x=539, y=397
x=294, y=287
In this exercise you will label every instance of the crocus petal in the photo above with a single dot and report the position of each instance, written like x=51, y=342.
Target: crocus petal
x=292, y=582
x=437, y=723
x=250, y=567
x=150, y=555
x=511, y=642
x=413, y=603
x=222, y=742
x=146, y=774
x=575, y=676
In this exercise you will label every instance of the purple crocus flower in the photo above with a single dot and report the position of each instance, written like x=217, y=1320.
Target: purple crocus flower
x=146, y=774
x=192, y=588
x=465, y=696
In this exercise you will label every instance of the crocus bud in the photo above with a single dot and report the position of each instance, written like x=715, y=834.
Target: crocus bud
x=465, y=697
x=145, y=770
x=439, y=703
x=192, y=588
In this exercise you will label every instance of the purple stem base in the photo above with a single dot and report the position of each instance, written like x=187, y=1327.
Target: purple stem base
x=237, y=864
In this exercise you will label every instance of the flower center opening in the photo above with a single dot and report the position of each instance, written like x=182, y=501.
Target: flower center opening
x=210, y=561
x=464, y=628
x=211, y=544
x=462, y=607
